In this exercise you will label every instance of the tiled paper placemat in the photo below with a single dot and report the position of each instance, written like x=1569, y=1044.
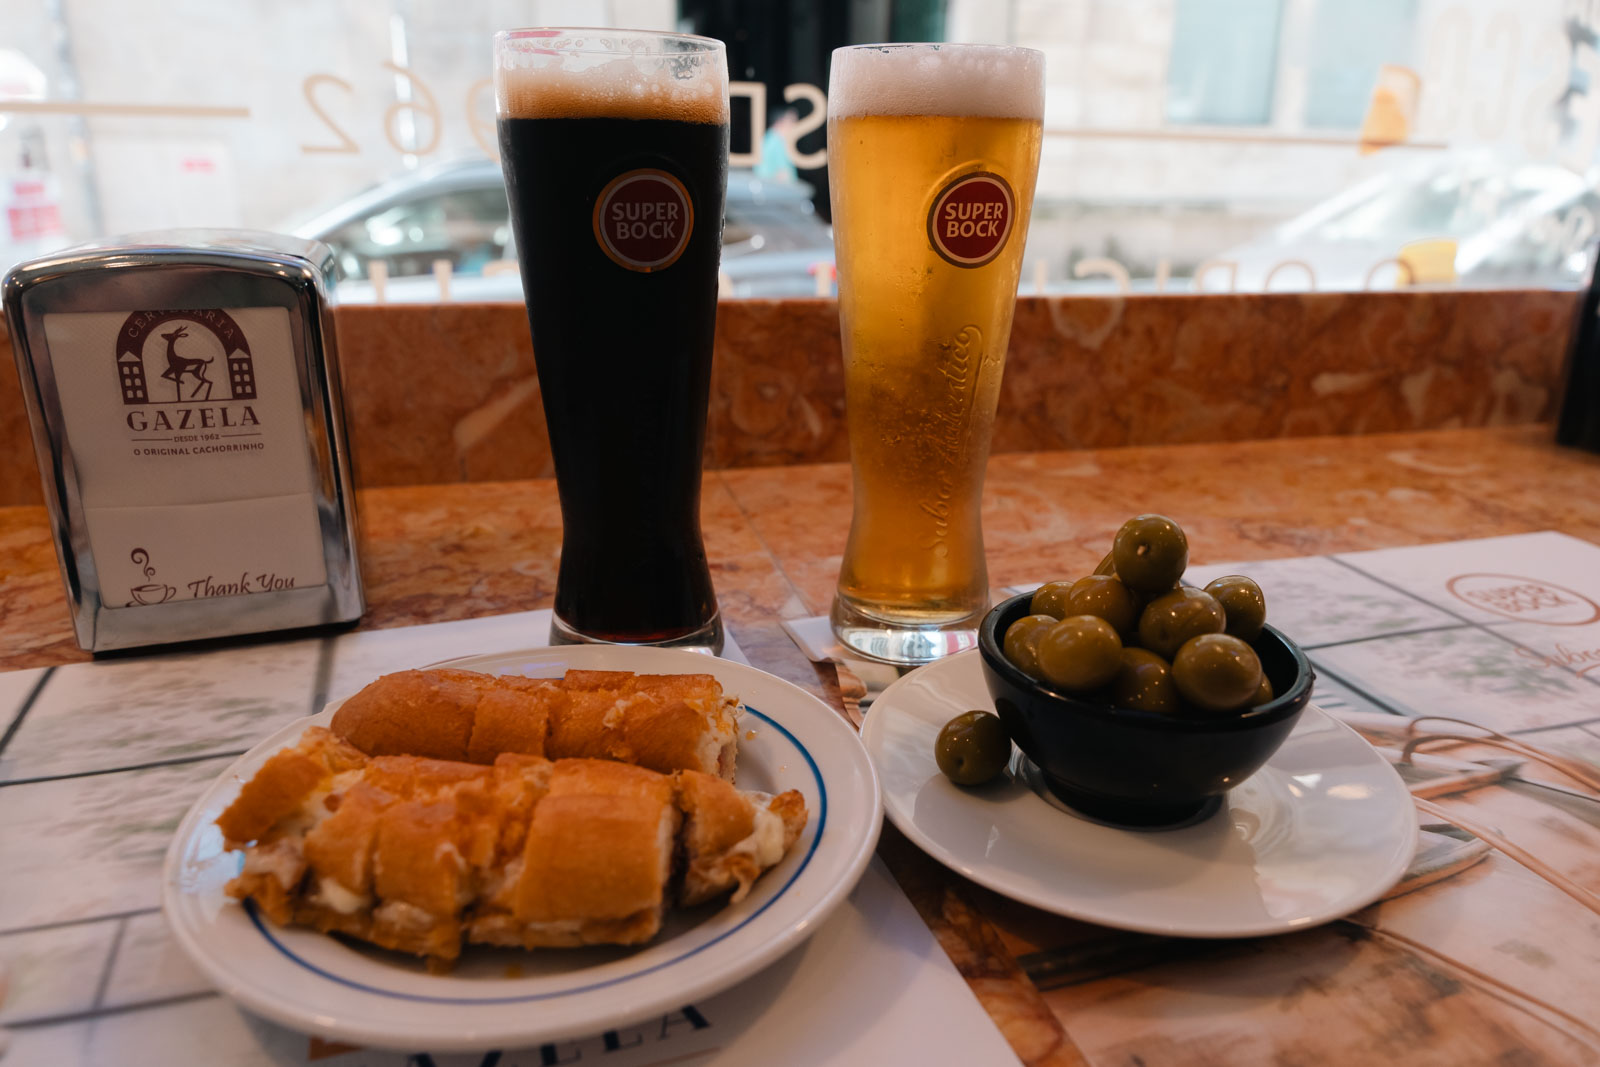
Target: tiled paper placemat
x=100, y=761
x=1476, y=955
x=1503, y=631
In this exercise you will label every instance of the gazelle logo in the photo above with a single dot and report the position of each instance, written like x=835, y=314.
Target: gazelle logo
x=157, y=337
x=178, y=370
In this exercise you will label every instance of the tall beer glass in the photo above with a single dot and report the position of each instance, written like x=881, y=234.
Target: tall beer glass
x=615, y=149
x=932, y=154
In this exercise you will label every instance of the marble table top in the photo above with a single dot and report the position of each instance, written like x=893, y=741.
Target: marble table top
x=1061, y=992
x=775, y=535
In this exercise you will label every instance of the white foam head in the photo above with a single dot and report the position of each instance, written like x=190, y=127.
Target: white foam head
x=987, y=81
x=610, y=74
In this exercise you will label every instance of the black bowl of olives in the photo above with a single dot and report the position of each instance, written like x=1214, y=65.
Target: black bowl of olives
x=1142, y=702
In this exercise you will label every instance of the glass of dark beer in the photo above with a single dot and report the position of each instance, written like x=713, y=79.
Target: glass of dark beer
x=615, y=149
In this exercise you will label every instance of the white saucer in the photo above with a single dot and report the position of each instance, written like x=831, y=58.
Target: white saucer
x=1321, y=831
x=505, y=998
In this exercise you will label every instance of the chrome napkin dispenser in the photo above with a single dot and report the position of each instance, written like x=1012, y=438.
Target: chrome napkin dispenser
x=183, y=390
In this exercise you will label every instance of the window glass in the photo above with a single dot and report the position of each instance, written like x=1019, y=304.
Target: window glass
x=1223, y=61
x=1189, y=144
x=1355, y=38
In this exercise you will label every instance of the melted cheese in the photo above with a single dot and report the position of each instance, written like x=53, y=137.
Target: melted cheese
x=331, y=894
x=315, y=808
x=765, y=843
x=401, y=914
x=282, y=860
x=719, y=745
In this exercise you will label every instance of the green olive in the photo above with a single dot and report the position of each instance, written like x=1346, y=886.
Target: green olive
x=1108, y=565
x=1150, y=553
x=1080, y=652
x=1107, y=598
x=1264, y=693
x=1144, y=680
x=1051, y=599
x=1173, y=618
x=1242, y=600
x=1216, y=672
x=972, y=748
x=1142, y=599
x=1022, y=642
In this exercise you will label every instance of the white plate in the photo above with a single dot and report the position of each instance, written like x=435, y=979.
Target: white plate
x=504, y=998
x=1320, y=831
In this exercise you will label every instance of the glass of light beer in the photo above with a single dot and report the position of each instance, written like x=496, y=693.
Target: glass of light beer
x=932, y=154
x=615, y=150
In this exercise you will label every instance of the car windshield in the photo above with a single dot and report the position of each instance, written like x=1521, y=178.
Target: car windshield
x=469, y=228
x=467, y=225
x=749, y=228
x=1457, y=203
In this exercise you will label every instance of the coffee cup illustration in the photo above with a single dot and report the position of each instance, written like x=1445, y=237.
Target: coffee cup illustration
x=153, y=593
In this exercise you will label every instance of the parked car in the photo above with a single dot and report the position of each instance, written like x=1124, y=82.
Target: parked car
x=1528, y=225
x=773, y=243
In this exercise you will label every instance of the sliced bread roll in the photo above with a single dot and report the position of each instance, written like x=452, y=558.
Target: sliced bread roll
x=664, y=722
x=423, y=855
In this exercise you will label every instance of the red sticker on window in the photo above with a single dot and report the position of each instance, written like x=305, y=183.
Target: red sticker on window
x=643, y=220
x=971, y=219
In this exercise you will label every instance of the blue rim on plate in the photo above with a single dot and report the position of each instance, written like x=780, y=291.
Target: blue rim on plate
x=822, y=822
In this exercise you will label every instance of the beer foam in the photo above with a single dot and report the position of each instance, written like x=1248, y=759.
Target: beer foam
x=623, y=88
x=984, y=81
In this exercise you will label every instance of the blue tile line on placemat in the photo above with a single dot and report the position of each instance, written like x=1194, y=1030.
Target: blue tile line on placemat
x=822, y=820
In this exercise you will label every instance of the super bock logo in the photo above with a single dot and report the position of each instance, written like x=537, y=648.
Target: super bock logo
x=184, y=358
x=970, y=219
x=643, y=220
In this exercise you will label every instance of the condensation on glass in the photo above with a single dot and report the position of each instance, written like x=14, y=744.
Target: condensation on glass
x=935, y=150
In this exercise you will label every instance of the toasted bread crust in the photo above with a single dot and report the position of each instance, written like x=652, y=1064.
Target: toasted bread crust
x=722, y=842
x=284, y=782
x=341, y=846
x=278, y=788
x=718, y=815
x=666, y=722
x=418, y=859
x=410, y=777
x=600, y=845
x=416, y=713
x=418, y=854
x=504, y=929
x=514, y=718
x=594, y=856
x=790, y=806
x=582, y=777
x=275, y=902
